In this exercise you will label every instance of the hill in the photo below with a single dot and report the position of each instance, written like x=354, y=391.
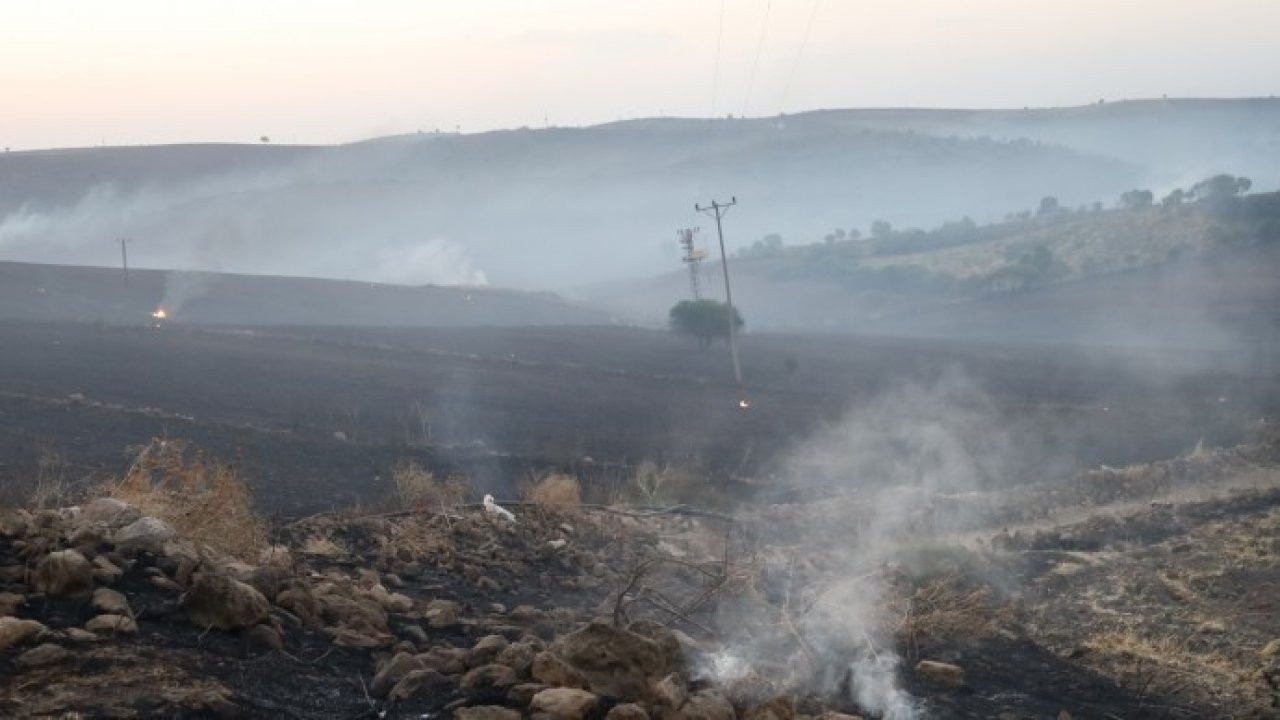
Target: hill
x=561, y=207
x=46, y=293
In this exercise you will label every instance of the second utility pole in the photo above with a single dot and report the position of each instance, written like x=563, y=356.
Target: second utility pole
x=718, y=210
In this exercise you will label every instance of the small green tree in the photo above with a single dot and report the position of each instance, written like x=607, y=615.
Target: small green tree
x=705, y=320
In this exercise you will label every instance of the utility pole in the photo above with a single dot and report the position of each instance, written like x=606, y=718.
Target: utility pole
x=718, y=211
x=124, y=258
x=693, y=257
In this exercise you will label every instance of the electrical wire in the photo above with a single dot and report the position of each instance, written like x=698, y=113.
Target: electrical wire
x=755, y=65
x=804, y=43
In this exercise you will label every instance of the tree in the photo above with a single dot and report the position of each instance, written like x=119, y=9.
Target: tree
x=1048, y=206
x=705, y=320
x=1135, y=199
x=881, y=229
x=1220, y=187
x=1174, y=198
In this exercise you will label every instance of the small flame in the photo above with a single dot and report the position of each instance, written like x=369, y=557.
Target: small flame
x=159, y=314
x=743, y=404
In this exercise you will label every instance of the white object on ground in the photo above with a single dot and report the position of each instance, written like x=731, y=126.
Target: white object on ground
x=495, y=509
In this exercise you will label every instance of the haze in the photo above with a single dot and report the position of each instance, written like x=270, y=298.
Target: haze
x=86, y=73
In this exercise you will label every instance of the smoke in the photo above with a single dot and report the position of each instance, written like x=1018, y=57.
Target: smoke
x=183, y=287
x=436, y=261
x=887, y=479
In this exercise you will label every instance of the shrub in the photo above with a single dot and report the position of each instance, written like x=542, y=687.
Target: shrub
x=203, y=499
x=417, y=488
x=555, y=490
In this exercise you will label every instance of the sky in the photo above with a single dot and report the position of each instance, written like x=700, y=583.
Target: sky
x=87, y=72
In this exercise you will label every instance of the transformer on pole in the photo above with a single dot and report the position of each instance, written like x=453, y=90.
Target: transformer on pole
x=693, y=257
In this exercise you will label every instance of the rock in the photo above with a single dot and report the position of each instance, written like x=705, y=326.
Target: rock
x=10, y=602
x=302, y=603
x=346, y=637
x=670, y=691
x=486, y=650
x=14, y=631
x=551, y=670
x=416, y=634
x=778, y=708
x=526, y=614
x=418, y=681
x=1269, y=650
x=397, y=603
x=563, y=704
x=264, y=636
x=519, y=657
x=112, y=625
x=392, y=671
x=448, y=660
x=222, y=603
x=66, y=572
x=146, y=533
x=485, y=712
x=940, y=674
x=705, y=705
x=618, y=663
x=442, y=613
x=833, y=715
x=163, y=583
x=109, y=513
x=42, y=655
x=105, y=571
x=110, y=602
x=627, y=711
x=80, y=635
x=13, y=573
x=523, y=693
x=14, y=523
x=488, y=677
x=269, y=581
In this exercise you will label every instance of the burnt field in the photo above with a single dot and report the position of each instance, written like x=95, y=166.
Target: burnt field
x=316, y=417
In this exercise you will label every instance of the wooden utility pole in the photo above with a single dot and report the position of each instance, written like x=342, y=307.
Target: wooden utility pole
x=124, y=258
x=718, y=211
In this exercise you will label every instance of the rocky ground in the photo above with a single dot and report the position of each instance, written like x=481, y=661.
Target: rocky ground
x=1141, y=592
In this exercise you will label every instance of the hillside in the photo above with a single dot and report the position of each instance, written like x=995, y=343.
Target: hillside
x=33, y=292
x=562, y=207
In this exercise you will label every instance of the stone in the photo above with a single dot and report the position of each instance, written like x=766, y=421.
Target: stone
x=627, y=711
x=416, y=634
x=110, y=602
x=563, y=704
x=522, y=694
x=42, y=655
x=486, y=712
x=1270, y=650
x=264, y=636
x=777, y=708
x=80, y=635
x=551, y=670
x=486, y=650
x=105, y=571
x=346, y=637
x=302, y=603
x=10, y=602
x=222, y=603
x=448, y=660
x=14, y=523
x=163, y=583
x=705, y=705
x=109, y=513
x=616, y=662
x=14, y=631
x=442, y=613
x=940, y=674
x=670, y=691
x=392, y=671
x=488, y=677
x=519, y=657
x=112, y=625
x=64, y=573
x=416, y=682
x=146, y=533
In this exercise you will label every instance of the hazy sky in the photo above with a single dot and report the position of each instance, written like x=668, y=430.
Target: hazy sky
x=82, y=72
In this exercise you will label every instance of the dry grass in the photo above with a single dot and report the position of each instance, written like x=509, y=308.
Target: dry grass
x=554, y=490
x=50, y=489
x=944, y=611
x=203, y=499
x=417, y=488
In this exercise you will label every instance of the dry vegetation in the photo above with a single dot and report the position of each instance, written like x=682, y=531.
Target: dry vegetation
x=417, y=488
x=203, y=499
x=553, y=490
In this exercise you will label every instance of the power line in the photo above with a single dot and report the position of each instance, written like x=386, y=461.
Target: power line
x=715, y=78
x=755, y=65
x=804, y=42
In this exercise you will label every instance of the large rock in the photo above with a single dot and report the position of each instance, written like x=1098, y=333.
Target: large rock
x=627, y=711
x=618, y=663
x=778, y=708
x=418, y=682
x=146, y=533
x=65, y=572
x=563, y=704
x=14, y=523
x=392, y=671
x=705, y=705
x=486, y=650
x=222, y=603
x=42, y=655
x=110, y=602
x=486, y=712
x=488, y=677
x=14, y=631
x=549, y=669
x=10, y=602
x=107, y=512
x=112, y=625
